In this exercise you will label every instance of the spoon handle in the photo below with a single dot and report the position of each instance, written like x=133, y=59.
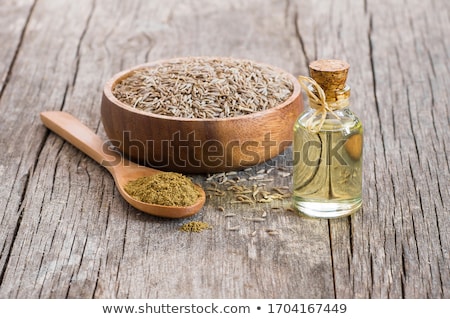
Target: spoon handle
x=80, y=136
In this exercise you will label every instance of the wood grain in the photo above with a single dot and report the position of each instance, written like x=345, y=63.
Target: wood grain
x=65, y=232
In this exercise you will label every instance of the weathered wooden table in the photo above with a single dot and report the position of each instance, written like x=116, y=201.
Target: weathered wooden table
x=65, y=232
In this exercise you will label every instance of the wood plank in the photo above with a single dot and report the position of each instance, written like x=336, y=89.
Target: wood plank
x=409, y=121
x=14, y=23
x=15, y=15
x=68, y=234
x=72, y=247
x=39, y=78
x=379, y=253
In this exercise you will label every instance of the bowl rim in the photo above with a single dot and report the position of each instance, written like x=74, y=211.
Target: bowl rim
x=107, y=91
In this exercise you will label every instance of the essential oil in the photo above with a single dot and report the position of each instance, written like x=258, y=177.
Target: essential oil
x=328, y=144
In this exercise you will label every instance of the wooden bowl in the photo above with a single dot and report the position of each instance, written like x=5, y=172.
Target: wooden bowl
x=198, y=145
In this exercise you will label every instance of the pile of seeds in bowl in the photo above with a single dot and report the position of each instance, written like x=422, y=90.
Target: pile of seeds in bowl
x=205, y=88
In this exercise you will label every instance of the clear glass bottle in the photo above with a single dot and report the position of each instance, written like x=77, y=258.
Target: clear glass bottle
x=328, y=150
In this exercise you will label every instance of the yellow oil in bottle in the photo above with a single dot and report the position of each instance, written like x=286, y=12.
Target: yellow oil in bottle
x=328, y=145
x=328, y=167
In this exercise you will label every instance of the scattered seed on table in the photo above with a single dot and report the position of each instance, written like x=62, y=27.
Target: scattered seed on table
x=256, y=177
x=284, y=174
x=214, y=184
x=242, y=202
x=255, y=219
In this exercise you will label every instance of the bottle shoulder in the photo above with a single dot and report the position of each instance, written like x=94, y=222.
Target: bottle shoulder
x=338, y=120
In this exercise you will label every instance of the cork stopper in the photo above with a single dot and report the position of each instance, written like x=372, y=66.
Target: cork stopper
x=331, y=75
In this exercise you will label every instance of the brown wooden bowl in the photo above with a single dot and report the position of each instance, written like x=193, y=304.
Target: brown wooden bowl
x=198, y=145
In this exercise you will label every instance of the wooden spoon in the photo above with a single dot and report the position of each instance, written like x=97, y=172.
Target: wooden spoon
x=123, y=170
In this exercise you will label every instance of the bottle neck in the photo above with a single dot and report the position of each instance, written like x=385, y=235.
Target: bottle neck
x=333, y=96
x=335, y=99
x=323, y=103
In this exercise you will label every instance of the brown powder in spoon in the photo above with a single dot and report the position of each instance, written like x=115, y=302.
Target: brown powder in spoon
x=166, y=188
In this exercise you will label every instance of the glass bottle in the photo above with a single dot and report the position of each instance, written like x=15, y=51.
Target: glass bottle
x=328, y=144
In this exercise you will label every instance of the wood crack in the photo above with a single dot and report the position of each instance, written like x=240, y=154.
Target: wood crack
x=15, y=232
x=47, y=270
x=372, y=279
x=63, y=102
x=150, y=45
x=286, y=12
x=94, y=291
x=300, y=37
x=17, y=50
x=80, y=264
x=441, y=272
x=408, y=103
x=332, y=259
x=20, y=212
x=350, y=230
x=403, y=275
x=374, y=84
x=55, y=168
x=78, y=50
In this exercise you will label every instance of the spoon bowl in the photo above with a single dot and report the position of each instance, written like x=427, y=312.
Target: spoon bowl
x=122, y=170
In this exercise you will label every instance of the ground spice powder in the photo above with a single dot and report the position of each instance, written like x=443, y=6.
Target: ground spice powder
x=166, y=188
x=195, y=226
